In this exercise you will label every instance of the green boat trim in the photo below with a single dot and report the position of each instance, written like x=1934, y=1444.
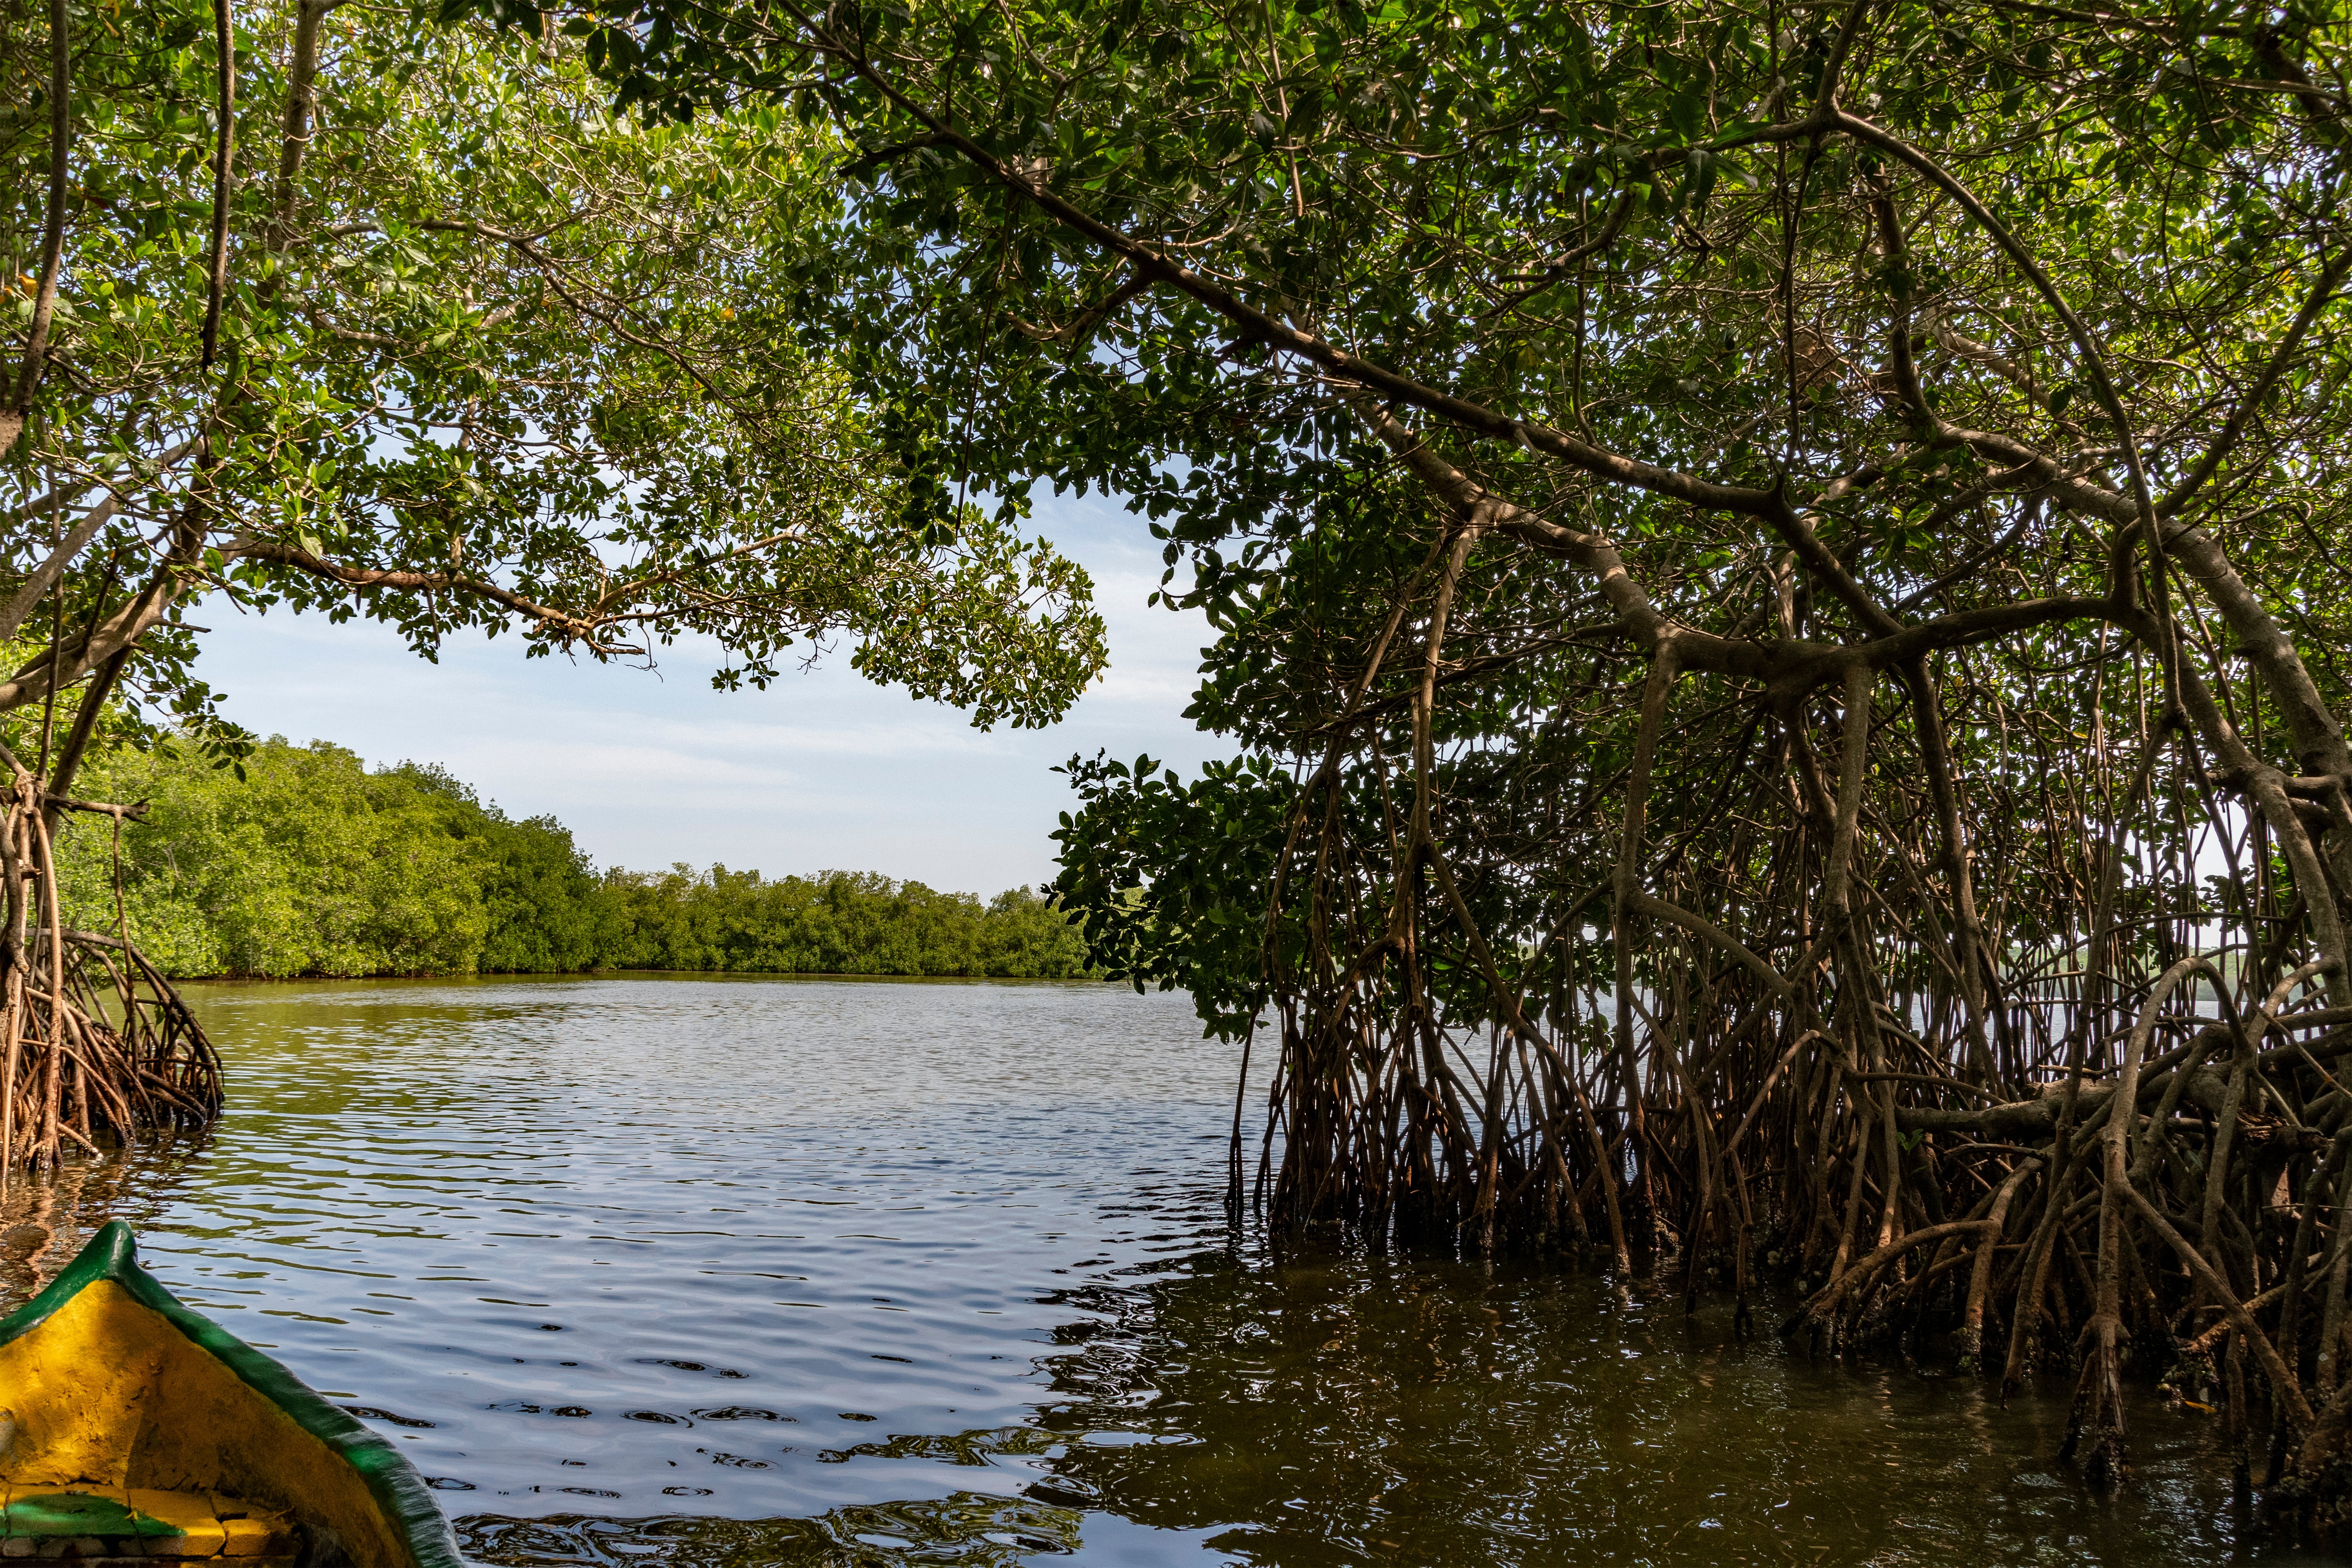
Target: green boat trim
x=405, y=1501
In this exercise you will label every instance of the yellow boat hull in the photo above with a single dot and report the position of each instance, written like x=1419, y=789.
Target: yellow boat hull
x=114, y=1392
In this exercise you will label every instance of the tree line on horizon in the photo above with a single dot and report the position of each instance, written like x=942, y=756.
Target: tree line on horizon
x=315, y=865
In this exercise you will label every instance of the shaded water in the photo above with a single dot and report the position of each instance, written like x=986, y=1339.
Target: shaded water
x=751, y=1271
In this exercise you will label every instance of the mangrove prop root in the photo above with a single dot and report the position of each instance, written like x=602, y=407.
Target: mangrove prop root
x=95, y=1043
x=1730, y=1003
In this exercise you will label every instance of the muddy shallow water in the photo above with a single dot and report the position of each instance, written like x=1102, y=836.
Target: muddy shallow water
x=730, y=1272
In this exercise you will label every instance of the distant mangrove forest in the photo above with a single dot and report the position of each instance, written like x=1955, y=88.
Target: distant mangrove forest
x=313, y=864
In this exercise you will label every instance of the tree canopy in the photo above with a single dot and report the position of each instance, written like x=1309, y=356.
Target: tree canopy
x=320, y=306
x=324, y=307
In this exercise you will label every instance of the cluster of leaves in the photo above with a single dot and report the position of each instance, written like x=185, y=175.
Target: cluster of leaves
x=1196, y=920
x=311, y=865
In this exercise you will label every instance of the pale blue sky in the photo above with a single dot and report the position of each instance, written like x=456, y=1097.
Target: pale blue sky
x=820, y=770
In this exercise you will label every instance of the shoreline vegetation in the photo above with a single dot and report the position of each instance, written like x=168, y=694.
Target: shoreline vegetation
x=314, y=866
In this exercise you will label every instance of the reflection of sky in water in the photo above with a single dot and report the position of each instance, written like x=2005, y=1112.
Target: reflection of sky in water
x=912, y=1273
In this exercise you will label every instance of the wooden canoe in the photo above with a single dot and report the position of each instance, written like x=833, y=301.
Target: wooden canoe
x=134, y=1428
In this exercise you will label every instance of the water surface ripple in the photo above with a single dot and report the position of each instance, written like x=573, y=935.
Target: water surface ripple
x=739, y=1272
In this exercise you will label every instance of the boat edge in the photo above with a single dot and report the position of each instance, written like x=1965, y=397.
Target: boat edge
x=112, y=1255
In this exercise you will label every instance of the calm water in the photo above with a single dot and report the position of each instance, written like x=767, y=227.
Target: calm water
x=737, y=1272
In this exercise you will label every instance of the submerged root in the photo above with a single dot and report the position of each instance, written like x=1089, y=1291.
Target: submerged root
x=2147, y=1169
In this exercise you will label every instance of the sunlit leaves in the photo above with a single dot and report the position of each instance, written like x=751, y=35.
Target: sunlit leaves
x=538, y=362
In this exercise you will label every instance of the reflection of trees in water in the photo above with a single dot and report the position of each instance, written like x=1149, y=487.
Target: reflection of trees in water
x=1367, y=1410
x=1326, y=1413
x=46, y=1217
x=970, y=1530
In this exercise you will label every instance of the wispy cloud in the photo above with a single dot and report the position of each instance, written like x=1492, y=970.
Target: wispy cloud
x=821, y=770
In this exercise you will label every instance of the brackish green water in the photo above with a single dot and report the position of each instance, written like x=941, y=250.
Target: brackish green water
x=744, y=1272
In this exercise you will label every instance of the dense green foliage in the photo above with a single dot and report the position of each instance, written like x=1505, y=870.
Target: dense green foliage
x=446, y=344
x=314, y=864
x=837, y=923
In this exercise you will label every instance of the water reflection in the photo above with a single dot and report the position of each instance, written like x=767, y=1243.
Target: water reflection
x=44, y=1221
x=972, y=1529
x=1363, y=1410
x=741, y=1272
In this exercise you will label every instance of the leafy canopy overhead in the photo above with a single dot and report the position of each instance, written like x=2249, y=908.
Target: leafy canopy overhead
x=477, y=355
